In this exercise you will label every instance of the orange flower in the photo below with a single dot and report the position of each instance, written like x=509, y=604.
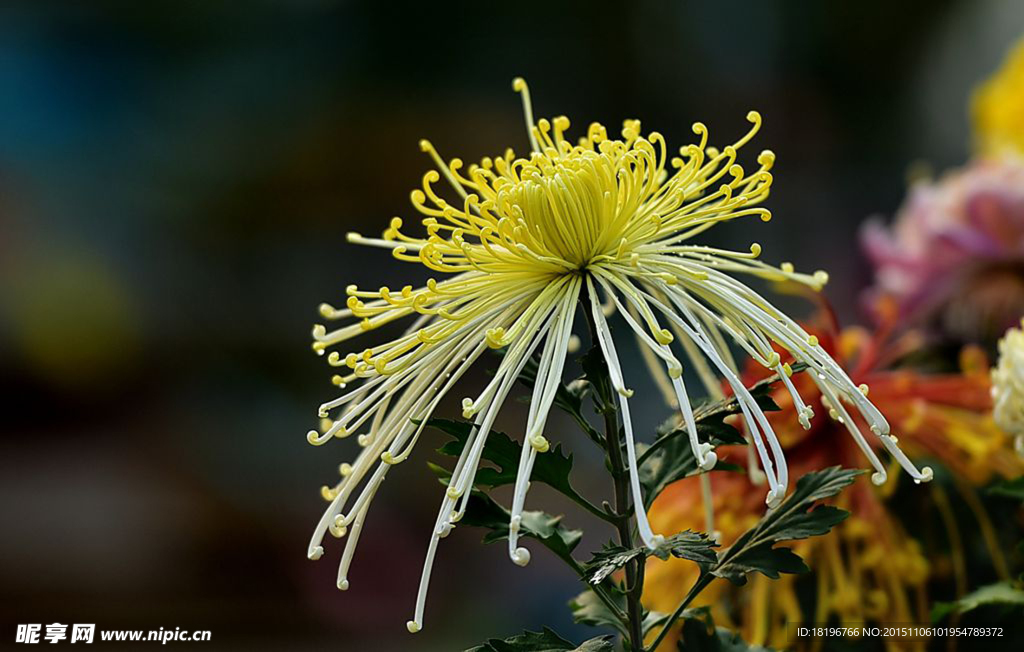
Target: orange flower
x=869, y=568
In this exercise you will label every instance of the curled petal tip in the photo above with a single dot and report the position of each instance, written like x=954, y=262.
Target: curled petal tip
x=520, y=557
x=709, y=461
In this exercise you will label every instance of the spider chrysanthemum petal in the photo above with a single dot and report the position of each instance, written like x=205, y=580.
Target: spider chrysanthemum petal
x=516, y=244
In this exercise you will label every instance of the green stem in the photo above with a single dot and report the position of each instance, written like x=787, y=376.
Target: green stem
x=702, y=582
x=597, y=589
x=623, y=504
x=591, y=507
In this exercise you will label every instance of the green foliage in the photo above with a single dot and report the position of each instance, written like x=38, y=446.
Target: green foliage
x=588, y=609
x=673, y=460
x=551, y=468
x=544, y=641
x=1004, y=594
x=482, y=511
x=755, y=550
x=608, y=603
x=670, y=457
x=699, y=634
x=569, y=397
x=695, y=546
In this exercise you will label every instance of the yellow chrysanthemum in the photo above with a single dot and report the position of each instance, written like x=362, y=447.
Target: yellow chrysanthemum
x=1008, y=386
x=520, y=242
x=998, y=106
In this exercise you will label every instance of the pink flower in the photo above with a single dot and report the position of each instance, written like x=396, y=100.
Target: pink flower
x=953, y=259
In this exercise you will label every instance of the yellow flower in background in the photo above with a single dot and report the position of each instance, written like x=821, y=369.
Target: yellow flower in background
x=869, y=568
x=1008, y=386
x=997, y=108
x=519, y=242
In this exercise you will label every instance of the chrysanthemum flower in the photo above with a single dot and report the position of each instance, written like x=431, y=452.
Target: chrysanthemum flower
x=953, y=259
x=516, y=244
x=997, y=107
x=1008, y=386
x=869, y=568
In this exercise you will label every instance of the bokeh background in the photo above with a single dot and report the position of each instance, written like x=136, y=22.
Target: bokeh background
x=176, y=180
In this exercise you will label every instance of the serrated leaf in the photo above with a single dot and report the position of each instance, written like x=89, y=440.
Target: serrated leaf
x=543, y=641
x=1002, y=593
x=552, y=468
x=672, y=461
x=670, y=457
x=694, y=546
x=755, y=550
x=568, y=398
x=1009, y=489
x=765, y=559
x=483, y=511
x=588, y=609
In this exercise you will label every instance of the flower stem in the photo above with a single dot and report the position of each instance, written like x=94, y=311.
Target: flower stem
x=623, y=503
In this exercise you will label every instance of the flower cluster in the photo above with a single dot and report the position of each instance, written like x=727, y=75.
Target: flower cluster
x=952, y=259
x=869, y=568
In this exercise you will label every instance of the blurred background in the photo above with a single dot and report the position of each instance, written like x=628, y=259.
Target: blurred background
x=176, y=180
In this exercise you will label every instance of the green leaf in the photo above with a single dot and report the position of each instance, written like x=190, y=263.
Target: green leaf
x=1009, y=489
x=499, y=450
x=694, y=546
x=794, y=519
x=673, y=460
x=483, y=511
x=670, y=457
x=569, y=397
x=1002, y=593
x=699, y=634
x=588, y=609
x=544, y=641
x=551, y=468
x=696, y=637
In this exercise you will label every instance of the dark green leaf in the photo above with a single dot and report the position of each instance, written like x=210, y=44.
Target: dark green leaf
x=588, y=609
x=694, y=546
x=670, y=457
x=696, y=637
x=793, y=519
x=595, y=374
x=673, y=460
x=567, y=397
x=482, y=511
x=551, y=468
x=765, y=559
x=1002, y=593
x=545, y=641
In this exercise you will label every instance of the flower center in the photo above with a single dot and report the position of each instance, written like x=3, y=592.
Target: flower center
x=578, y=204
